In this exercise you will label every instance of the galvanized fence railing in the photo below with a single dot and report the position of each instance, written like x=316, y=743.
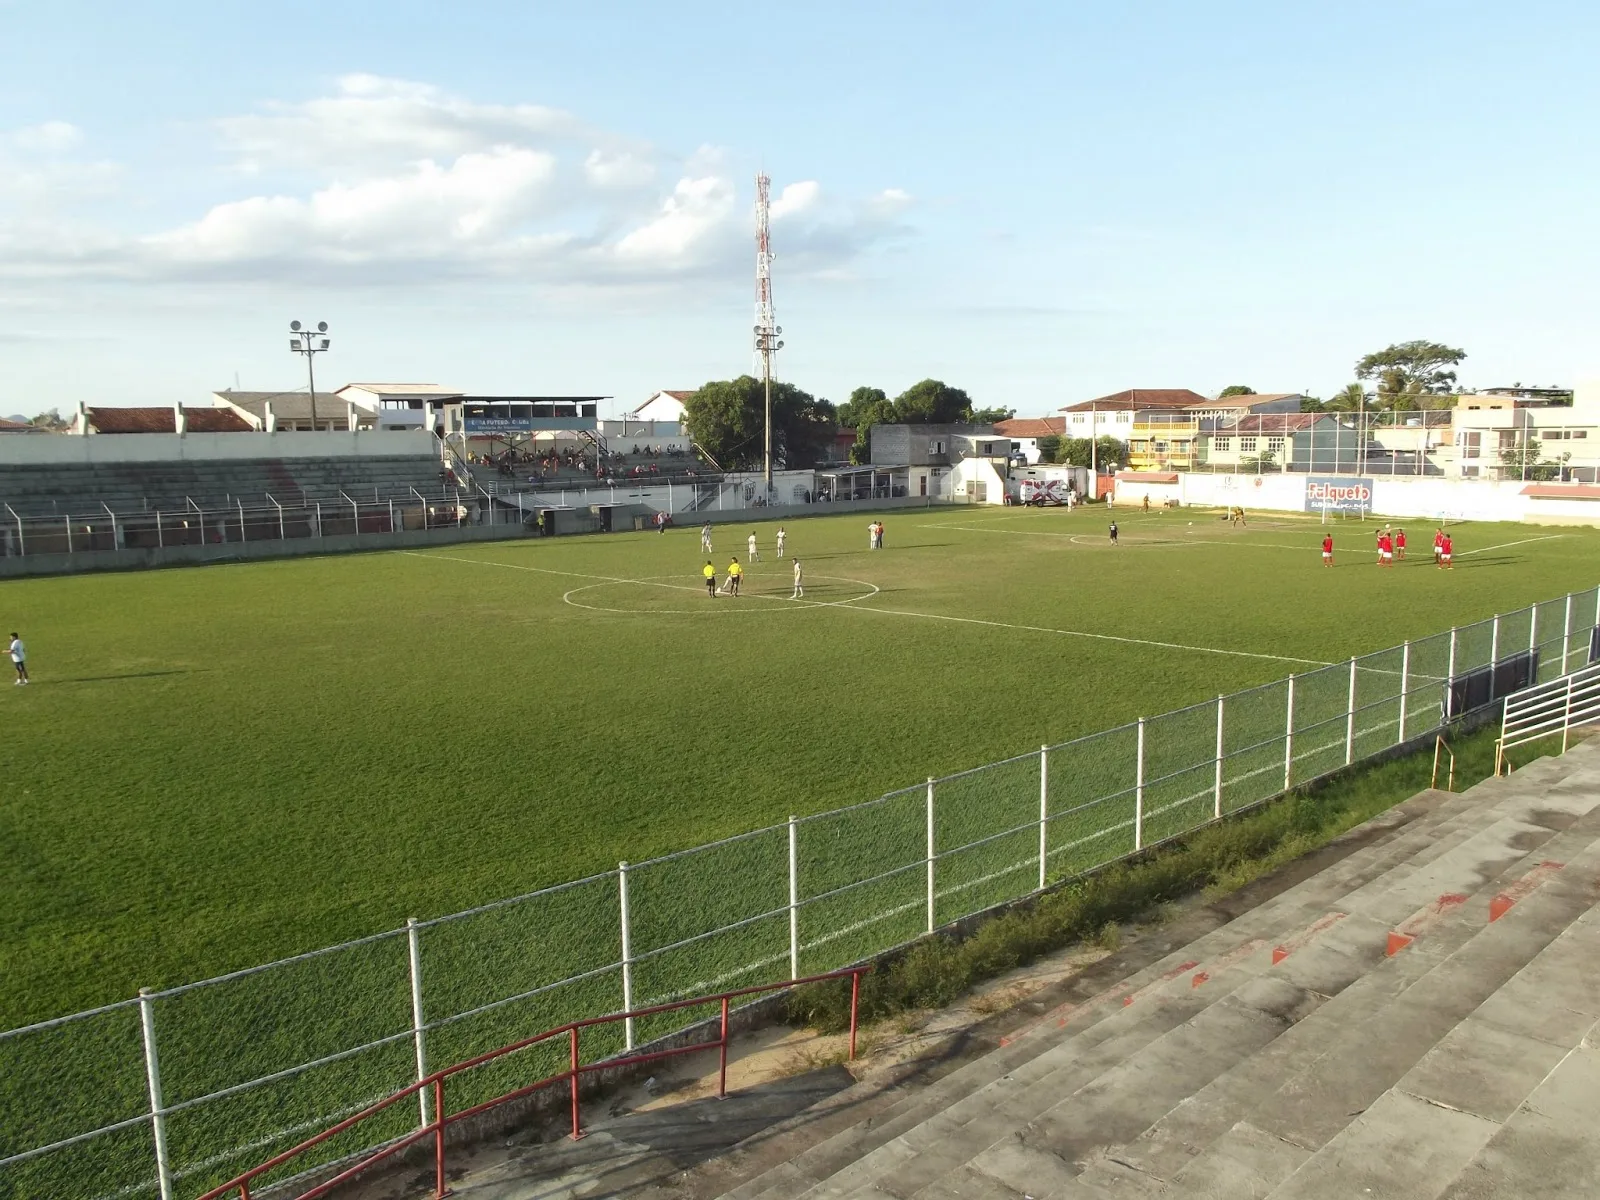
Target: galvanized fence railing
x=177, y=1090
x=240, y=521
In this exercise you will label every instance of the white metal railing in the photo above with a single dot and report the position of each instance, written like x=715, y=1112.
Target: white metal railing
x=1548, y=709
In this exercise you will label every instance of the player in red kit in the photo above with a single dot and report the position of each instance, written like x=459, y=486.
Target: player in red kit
x=1327, y=549
x=1399, y=543
x=1385, y=550
x=1446, y=548
x=1438, y=545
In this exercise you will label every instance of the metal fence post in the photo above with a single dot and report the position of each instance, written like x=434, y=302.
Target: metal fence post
x=1044, y=809
x=1138, y=792
x=160, y=539
x=152, y=1075
x=418, y=1036
x=627, y=954
x=1350, y=718
x=1405, y=681
x=1216, y=786
x=1494, y=644
x=1566, y=716
x=794, y=898
x=1533, y=629
x=69, y=534
x=1566, y=636
x=930, y=856
x=391, y=516
x=1288, y=738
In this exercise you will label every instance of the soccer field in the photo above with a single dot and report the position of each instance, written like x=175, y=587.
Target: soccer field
x=219, y=766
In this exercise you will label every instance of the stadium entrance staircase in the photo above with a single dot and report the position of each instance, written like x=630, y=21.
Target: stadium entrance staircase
x=1421, y=1018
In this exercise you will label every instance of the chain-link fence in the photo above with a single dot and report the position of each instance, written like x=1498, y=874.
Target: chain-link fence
x=177, y=1091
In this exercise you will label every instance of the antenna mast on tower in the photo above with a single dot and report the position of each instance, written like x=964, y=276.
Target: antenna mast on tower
x=767, y=329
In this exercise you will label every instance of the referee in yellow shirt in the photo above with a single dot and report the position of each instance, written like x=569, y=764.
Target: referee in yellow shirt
x=710, y=573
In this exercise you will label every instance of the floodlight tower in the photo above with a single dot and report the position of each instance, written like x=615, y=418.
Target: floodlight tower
x=768, y=330
x=309, y=342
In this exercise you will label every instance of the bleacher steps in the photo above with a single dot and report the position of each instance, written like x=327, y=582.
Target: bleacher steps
x=1238, y=1063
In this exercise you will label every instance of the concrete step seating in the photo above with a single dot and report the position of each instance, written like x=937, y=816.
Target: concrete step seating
x=1418, y=1020
x=81, y=489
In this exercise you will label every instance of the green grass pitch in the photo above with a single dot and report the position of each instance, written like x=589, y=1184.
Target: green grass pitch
x=219, y=766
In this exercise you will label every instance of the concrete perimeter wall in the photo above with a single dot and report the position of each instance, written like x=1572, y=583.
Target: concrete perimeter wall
x=1430, y=499
x=109, y=448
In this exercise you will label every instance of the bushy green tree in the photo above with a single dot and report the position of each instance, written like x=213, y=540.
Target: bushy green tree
x=931, y=402
x=1049, y=448
x=728, y=418
x=1407, y=371
x=1237, y=389
x=1109, y=453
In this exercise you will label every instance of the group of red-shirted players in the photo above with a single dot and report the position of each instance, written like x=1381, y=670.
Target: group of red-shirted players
x=1392, y=545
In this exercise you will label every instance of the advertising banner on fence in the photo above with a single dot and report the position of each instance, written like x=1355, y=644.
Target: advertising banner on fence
x=1338, y=494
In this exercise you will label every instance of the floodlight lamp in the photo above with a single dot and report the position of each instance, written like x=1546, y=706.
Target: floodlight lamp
x=295, y=325
x=294, y=344
x=322, y=327
x=324, y=343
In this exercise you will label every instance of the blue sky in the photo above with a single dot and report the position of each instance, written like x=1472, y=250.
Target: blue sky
x=1037, y=202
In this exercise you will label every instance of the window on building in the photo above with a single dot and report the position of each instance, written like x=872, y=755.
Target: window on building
x=923, y=481
x=1579, y=433
x=1247, y=445
x=1122, y=418
x=1223, y=444
x=1077, y=418
x=1471, y=446
x=1275, y=445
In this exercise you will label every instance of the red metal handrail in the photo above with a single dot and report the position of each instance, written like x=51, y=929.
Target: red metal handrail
x=240, y=1184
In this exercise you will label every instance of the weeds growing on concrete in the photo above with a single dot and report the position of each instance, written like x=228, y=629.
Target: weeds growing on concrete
x=1213, y=862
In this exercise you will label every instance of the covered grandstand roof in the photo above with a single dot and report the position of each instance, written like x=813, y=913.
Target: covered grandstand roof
x=1142, y=398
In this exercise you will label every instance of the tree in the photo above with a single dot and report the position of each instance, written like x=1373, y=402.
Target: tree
x=861, y=401
x=1351, y=398
x=987, y=416
x=1523, y=462
x=1237, y=389
x=879, y=411
x=1260, y=462
x=728, y=418
x=50, y=420
x=1407, y=370
x=1050, y=448
x=1311, y=404
x=931, y=402
x=1109, y=453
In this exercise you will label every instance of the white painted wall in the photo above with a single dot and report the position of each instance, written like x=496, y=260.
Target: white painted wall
x=172, y=447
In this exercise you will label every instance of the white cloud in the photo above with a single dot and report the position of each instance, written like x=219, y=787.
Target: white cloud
x=393, y=180
x=796, y=198
x=52, y=137
x=420, y=213
x=618, y=170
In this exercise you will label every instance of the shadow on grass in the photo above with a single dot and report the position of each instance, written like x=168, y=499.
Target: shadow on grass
x=128, y=675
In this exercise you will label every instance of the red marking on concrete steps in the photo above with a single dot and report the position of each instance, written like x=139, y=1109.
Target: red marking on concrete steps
x=1413, y=926
x=1225, y=960
x=1061, y=1015
x=1521, y=889
x=1300, y=940
x=1154, y=984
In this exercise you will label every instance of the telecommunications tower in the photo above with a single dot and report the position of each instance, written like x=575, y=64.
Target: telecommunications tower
x=768, y=330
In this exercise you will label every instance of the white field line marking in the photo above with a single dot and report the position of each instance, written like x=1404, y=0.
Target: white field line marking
x=1178, y=540
x=1099, y=637
x=678, y=587
x=1549, y=537
x=895, y=612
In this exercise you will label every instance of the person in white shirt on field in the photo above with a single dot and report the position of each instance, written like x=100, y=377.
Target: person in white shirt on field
x=19, y=653
x=705, y=538
x=799, y=582
x=781, y=537
x=755, y=555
